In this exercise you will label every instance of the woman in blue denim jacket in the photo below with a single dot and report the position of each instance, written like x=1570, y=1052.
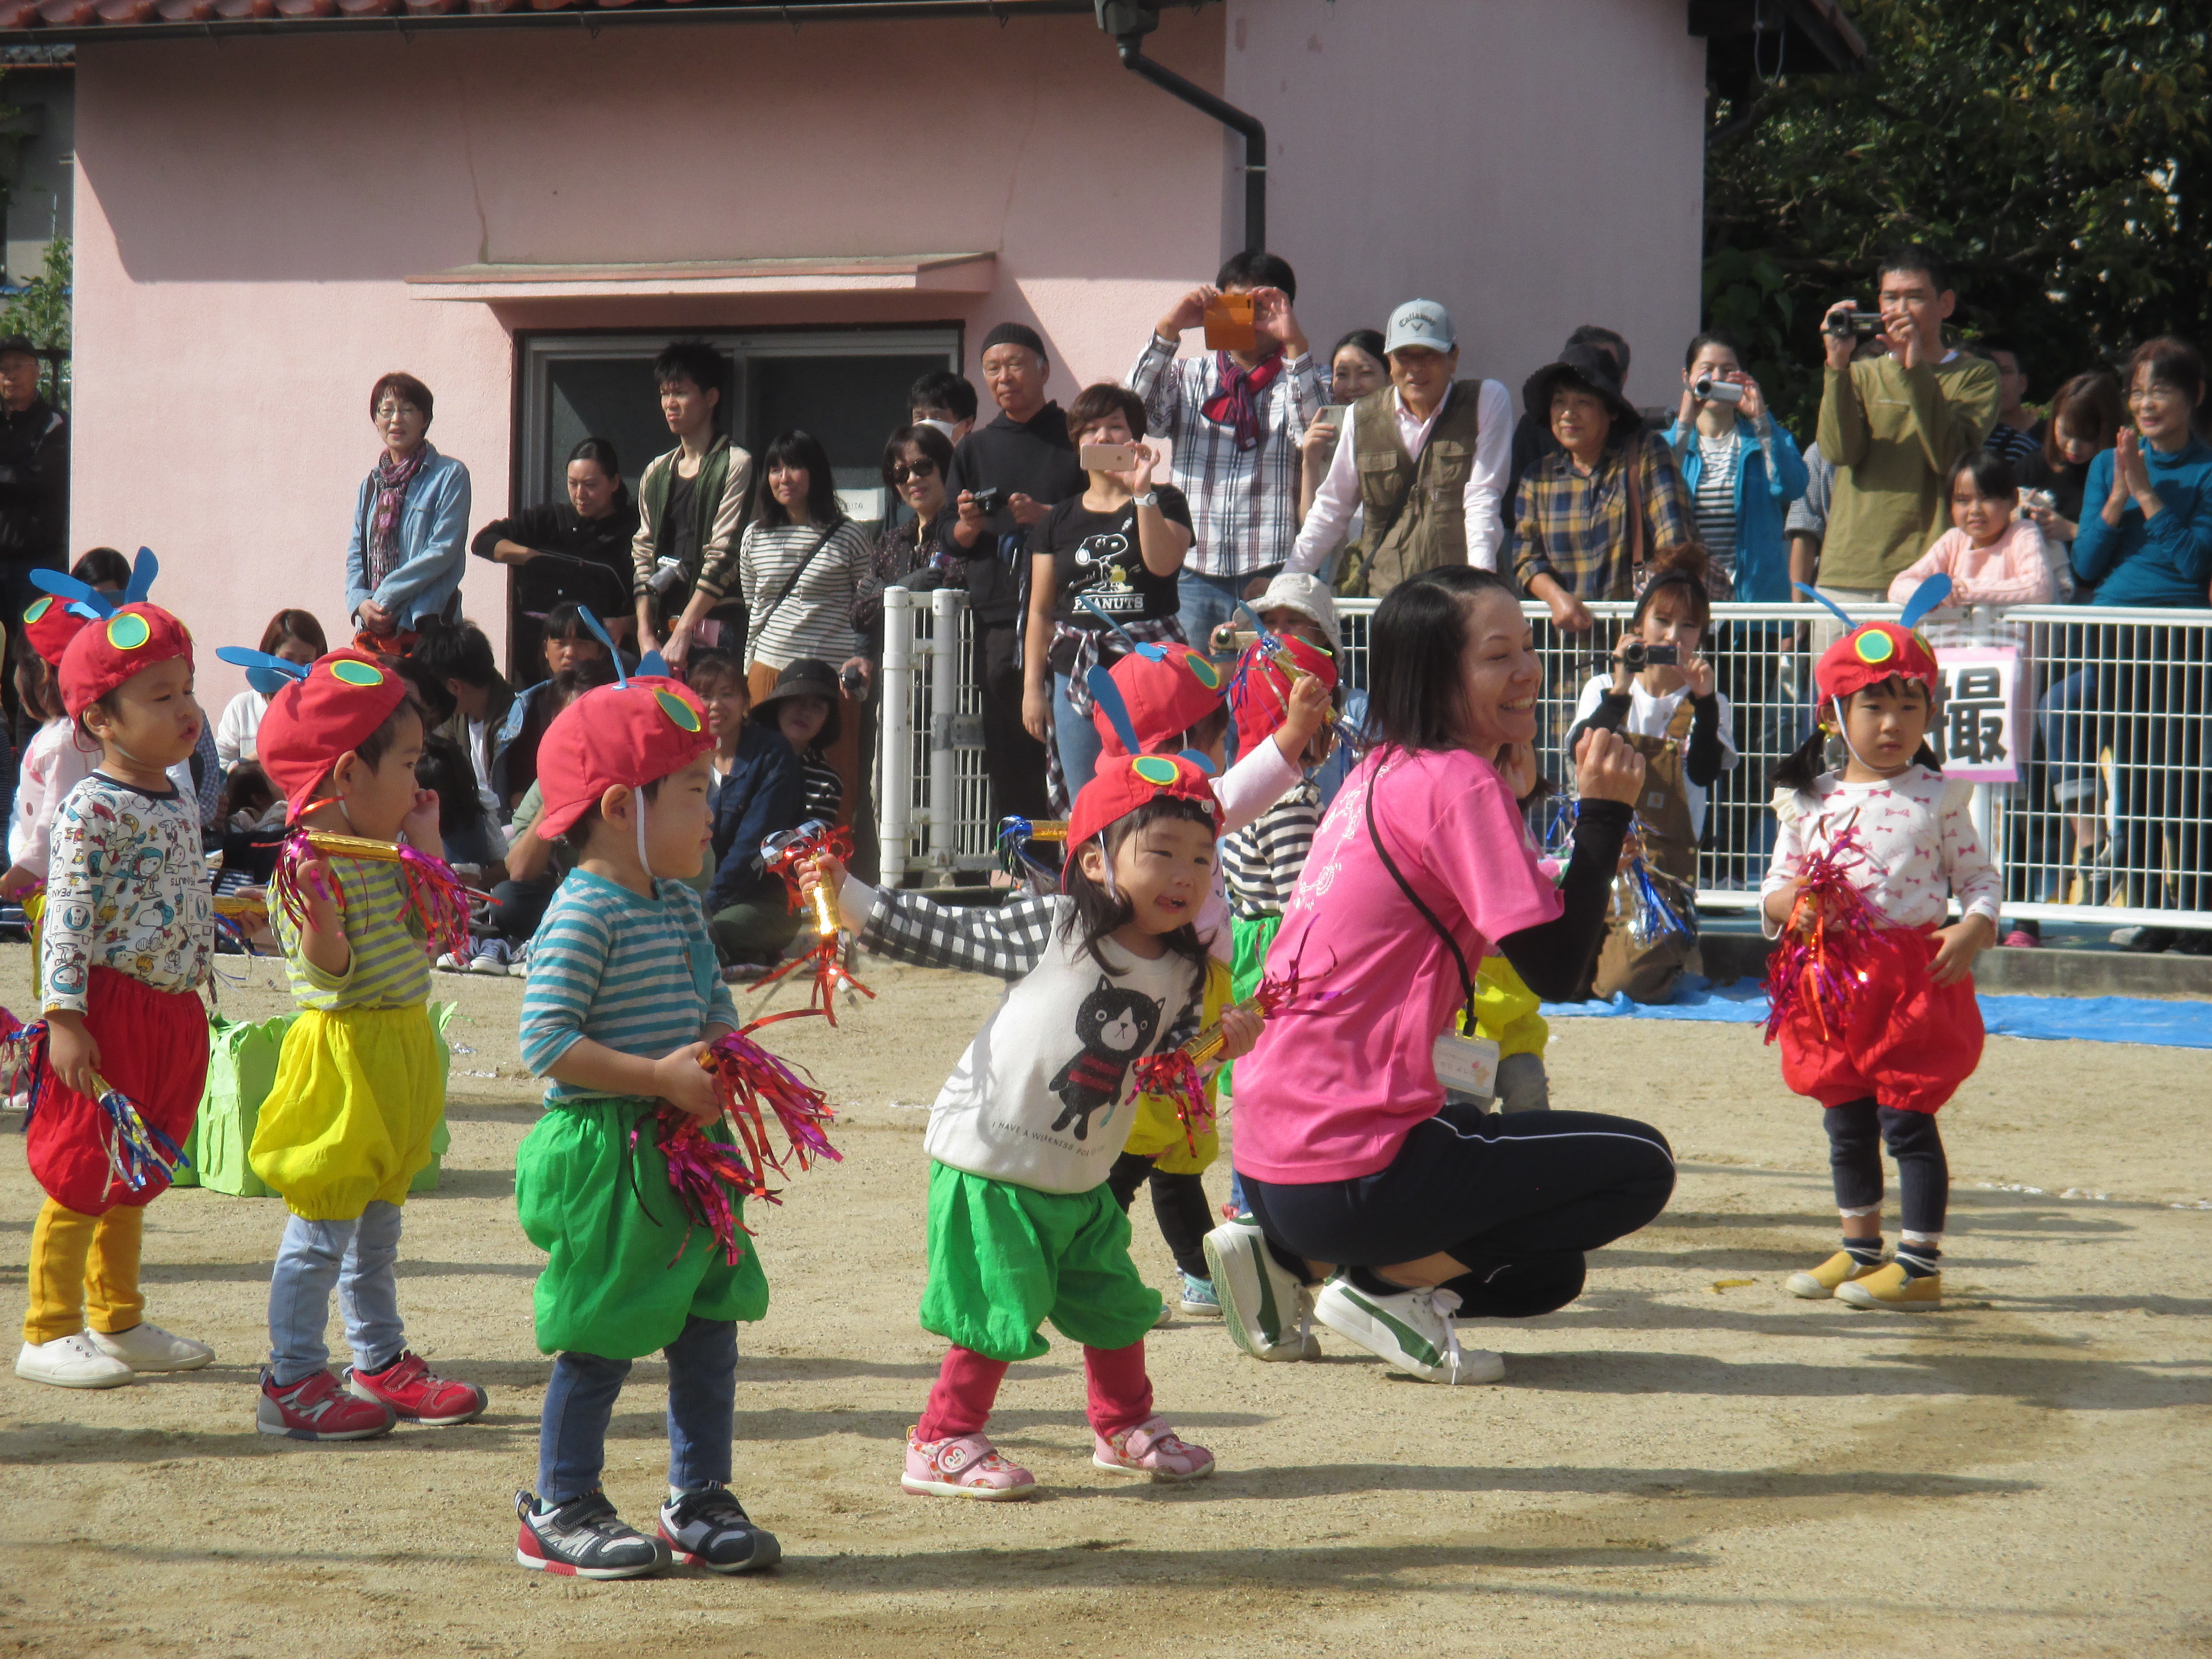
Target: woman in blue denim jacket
x=410, y=521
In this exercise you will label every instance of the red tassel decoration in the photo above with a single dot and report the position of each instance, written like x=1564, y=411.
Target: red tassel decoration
x=1179, y=1074
x=433, y=888
x=829, y=964
x=703, y=1173
x=1816, y=966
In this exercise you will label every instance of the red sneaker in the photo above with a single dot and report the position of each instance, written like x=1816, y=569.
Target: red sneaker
x=315, y=1409
x=409, y=1388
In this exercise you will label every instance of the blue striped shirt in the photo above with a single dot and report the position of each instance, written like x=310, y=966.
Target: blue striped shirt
x=637, y=975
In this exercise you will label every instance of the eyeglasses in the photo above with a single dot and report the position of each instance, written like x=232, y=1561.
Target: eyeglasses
x=2156, y=391
x=902, y=470
x=392, y=411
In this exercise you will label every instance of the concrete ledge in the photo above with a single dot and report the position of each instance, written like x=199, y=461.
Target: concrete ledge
x=2027, y=973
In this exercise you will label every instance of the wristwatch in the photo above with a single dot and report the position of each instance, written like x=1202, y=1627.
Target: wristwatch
x=1150, y=498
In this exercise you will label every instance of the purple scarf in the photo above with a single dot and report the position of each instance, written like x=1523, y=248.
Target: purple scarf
x=392, y=482
x=1235, y=404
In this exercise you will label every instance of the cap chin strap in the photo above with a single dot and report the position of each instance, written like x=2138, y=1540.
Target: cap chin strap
x=1844, y=731
x=637, y=801
x=1106, y=857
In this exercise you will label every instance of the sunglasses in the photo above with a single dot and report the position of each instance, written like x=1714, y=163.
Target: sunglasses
x=923, y=469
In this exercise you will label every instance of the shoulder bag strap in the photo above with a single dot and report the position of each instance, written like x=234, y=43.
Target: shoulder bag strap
x=1459, y=957
x=1632, y=459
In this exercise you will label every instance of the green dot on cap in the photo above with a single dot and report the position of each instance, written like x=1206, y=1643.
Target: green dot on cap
x=1203, y=670
x=677, y=710
x=1876, y=646
x=1155, y=769
x=129, y=631
x=356, y=673
x=40, y=608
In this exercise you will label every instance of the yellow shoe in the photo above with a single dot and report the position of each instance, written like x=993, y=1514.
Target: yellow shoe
x=1890, y=1288
x=1821, y=1284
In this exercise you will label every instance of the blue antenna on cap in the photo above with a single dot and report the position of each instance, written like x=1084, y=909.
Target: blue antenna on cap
x=266, y=674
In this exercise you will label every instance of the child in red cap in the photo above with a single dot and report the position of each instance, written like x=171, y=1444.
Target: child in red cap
x=1022, y=1225
x=360, y=1089
x=54, y=761
x=1887, y=1028
x=128, y=930
x=624, y=994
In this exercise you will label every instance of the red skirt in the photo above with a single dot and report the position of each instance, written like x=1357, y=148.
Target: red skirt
x=153, y=1047
x=1903, y=1041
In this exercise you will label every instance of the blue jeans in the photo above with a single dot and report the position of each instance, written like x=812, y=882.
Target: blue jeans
x=356, y=1256
x=1078, y=738
x=1209, y=601
x=702, y=1399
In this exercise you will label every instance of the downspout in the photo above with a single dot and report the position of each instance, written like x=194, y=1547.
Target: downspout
x=1255, y=134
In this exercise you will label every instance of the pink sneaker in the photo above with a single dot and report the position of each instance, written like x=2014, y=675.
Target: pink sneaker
x=409, y=1388
x=965, y=1466
x=1152, y=1449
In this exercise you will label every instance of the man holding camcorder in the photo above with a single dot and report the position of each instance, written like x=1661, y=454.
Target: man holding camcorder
x=1892, y=423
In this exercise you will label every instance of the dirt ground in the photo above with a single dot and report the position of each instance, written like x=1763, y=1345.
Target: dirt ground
x=1682, y=1462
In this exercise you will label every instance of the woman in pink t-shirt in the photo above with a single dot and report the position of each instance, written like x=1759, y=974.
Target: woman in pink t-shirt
x=1356, y=1170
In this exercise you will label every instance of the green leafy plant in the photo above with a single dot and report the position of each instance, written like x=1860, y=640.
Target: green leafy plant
x=41, y=312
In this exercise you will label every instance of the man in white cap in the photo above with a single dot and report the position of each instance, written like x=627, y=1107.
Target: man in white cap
x=1451, y=445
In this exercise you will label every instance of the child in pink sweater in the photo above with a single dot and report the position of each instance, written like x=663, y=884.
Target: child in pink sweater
x=1991, y=557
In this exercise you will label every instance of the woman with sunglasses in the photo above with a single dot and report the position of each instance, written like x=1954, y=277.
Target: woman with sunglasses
x=907, y=554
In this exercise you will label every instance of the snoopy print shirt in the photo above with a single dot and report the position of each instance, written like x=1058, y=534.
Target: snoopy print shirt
x=1044, y=1096
x=126, y=889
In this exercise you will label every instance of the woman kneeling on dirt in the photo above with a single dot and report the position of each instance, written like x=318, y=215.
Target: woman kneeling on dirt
x=1377, y=1208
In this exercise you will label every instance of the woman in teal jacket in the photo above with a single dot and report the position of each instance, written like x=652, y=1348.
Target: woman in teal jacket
x=1767, y=470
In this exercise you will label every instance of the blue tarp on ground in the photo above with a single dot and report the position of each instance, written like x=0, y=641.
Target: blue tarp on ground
x=2092, y=1019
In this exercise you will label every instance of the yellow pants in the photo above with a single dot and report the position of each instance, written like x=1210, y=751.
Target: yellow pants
x=81, y=1261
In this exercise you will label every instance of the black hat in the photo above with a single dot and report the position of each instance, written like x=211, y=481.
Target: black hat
x=804, y=677
x=1018, y=334
x=17, y=342
x=1589, y=369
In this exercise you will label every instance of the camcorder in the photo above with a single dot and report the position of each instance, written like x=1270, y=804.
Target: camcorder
x=1843, y=323
x=1636, y=656
x=1712, y=389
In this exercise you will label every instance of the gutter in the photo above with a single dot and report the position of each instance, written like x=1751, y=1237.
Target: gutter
x=1254, y=133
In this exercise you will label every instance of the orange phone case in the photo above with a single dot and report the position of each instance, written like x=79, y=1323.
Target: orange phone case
x=1229, y=324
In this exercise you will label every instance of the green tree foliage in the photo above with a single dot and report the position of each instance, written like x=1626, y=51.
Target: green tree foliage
x=2056, y=153
x=41, y=311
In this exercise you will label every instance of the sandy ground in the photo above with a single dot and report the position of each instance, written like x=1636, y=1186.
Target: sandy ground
x=1677, y=1464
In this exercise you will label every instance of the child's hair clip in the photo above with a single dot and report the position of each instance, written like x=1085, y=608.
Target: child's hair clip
x=266, y=674
x=1925, y=598
x=82, y=597
x=1819, y=598
x=1108, y=696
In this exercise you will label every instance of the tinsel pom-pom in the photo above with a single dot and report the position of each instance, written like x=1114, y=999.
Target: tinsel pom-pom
x=1818, y=962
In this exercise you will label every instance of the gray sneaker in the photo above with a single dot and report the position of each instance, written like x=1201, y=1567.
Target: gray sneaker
x=709, y=1529
x=1265, y=1307
x=584, y=1538
x=1412, y=1329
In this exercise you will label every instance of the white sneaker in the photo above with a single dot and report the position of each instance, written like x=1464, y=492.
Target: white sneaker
x=71, y=1362
x=1412, y=1329
x=490, y=959
x=450, y=964
x=1267, y=1309
x=146, y=1347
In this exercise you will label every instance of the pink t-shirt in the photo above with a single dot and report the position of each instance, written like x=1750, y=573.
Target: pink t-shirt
x=1341, y=1077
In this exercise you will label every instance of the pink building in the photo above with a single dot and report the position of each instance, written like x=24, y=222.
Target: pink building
x=279, y=199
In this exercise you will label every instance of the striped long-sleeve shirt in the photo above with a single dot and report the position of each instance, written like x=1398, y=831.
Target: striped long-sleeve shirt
x=1261, y=862
x=390, y=964
x=638, y=974
x=816, y=619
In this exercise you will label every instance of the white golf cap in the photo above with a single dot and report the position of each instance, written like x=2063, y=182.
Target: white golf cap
x=1420, y=323
x=1292, y=590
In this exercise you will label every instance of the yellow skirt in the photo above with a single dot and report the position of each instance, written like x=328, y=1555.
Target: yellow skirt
x=358, y=1095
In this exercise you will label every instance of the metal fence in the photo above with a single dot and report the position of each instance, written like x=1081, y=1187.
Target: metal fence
x=2106, y=822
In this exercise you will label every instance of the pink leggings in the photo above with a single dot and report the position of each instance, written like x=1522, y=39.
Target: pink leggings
x=960, y=1403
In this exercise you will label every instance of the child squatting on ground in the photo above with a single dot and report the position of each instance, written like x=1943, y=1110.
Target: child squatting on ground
x=1876, y=1010
x=129, y=928
x=359, y=1091
x=624, y=994
x=1022, y=1227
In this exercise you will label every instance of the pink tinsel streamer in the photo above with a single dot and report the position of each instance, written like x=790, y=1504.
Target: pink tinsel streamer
x=433, y=888
x=1816, y=964
x=703, y=1173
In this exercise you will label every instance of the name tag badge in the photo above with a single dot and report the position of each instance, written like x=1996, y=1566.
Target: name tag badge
x=1467, y=1063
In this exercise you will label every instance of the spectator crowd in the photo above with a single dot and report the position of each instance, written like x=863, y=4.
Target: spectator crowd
x=1257, y=476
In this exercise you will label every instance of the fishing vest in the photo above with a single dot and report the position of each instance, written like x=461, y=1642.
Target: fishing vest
x=1416, y=511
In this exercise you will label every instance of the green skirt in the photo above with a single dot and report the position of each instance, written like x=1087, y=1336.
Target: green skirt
x=627, y=1267
x=1002, y=1258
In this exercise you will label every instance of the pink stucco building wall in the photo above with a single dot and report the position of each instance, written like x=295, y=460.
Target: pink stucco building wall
x=250, y=210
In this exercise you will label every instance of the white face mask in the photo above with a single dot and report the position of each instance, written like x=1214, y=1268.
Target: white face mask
x=951, y=432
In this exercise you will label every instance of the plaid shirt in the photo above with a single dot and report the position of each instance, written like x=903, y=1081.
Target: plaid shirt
x=1574, y=528
x=1243, y=503
x=1005, y=941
